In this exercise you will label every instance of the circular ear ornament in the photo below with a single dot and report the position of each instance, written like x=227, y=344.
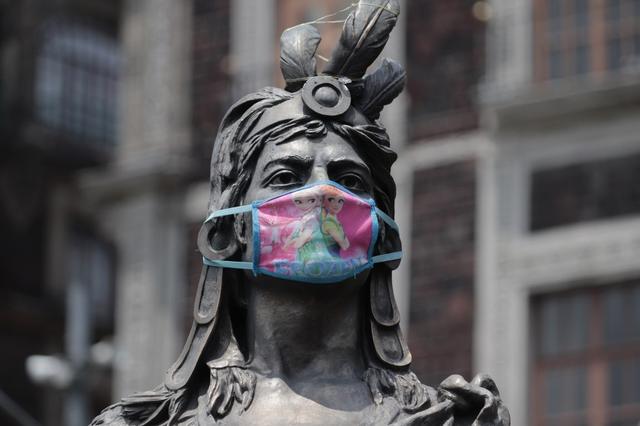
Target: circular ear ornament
x=326, y=96
x=206, y=248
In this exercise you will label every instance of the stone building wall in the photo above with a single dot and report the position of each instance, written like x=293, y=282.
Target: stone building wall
x=211, y=75
x=445, y=64
x=442, y=270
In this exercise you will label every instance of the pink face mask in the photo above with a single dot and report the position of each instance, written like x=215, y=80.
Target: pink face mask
x=321, y=233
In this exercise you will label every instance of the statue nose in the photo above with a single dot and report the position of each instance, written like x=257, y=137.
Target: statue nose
x=318, y=174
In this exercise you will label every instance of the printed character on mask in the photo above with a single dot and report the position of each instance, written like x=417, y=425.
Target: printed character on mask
x=332, y=229
x=307, y=237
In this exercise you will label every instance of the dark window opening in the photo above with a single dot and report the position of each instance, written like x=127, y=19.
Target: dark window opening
x=76, y=82
x=445, y=62
x=585, y=192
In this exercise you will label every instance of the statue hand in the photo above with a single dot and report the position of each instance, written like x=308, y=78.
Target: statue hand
x=477, y=403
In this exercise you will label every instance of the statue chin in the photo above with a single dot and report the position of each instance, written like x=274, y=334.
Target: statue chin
x=267, y=351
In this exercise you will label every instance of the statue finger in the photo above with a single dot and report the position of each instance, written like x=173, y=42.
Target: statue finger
x=468, y=397
x=485, y=381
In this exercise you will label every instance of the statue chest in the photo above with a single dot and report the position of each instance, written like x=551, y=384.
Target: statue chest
x=278, y=403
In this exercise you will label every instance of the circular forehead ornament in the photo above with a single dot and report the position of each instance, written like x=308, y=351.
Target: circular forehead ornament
x=326, y=96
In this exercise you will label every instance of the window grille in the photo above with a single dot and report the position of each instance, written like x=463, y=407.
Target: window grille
x=76, y=82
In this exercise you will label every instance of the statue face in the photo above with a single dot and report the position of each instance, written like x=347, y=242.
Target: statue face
x=303, y=161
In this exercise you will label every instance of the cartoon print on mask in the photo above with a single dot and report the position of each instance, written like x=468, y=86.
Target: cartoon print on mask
x=324, y=232
x=276, y=227
x=307, y=237
x=332, y=229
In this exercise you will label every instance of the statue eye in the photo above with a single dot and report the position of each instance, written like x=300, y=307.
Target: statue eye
x=284, y=178
x=352, y=182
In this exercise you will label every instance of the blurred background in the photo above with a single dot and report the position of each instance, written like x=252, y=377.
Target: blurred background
x=518, y=174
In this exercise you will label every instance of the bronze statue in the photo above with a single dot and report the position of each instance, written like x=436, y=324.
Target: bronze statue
x=264, y=349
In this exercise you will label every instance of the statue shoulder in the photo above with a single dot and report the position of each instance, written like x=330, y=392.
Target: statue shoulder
x=150, y=407
x=112, y=416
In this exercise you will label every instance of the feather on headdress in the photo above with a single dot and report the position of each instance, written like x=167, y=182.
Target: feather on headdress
x=364, y=34
x=298, y=47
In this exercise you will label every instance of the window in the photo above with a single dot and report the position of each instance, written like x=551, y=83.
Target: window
x=586, y=362
x=76, y=81
x=442, y=270
x=444, y=62
x=577, y=37
x=90, y=310
x=585, y=192
x=92, y=263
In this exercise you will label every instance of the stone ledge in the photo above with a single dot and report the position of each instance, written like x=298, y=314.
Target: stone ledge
x=151, y=173
x=592, y=252
x=561, y=100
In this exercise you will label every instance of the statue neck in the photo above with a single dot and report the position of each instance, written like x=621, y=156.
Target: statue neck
x=305, y=331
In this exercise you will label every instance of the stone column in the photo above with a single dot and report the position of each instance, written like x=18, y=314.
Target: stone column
x=151, y=288
x=395, y=119
x=509, y=58
x=253, y=43
x=145, y=191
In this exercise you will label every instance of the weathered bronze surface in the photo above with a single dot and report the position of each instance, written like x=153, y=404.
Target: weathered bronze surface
x=271, y=352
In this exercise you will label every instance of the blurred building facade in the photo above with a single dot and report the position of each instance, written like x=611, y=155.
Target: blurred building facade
x=59, y=78
x=559, y=204
x=518, y=189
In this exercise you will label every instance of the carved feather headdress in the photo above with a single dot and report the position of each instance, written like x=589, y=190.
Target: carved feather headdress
x=364, y=35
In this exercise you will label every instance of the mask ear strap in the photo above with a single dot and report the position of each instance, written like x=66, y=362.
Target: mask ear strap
x=388, y=220
x=396, y=255
x=231, y=210
x=227, y=263
x=220, y=263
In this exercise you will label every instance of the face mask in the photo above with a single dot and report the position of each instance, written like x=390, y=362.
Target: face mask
x=321, y=233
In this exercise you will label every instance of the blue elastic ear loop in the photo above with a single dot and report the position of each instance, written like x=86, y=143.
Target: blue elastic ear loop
x=231, y=210
x=396, y=255
x=392, y=223
x=375, y=228
x=228, y=263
